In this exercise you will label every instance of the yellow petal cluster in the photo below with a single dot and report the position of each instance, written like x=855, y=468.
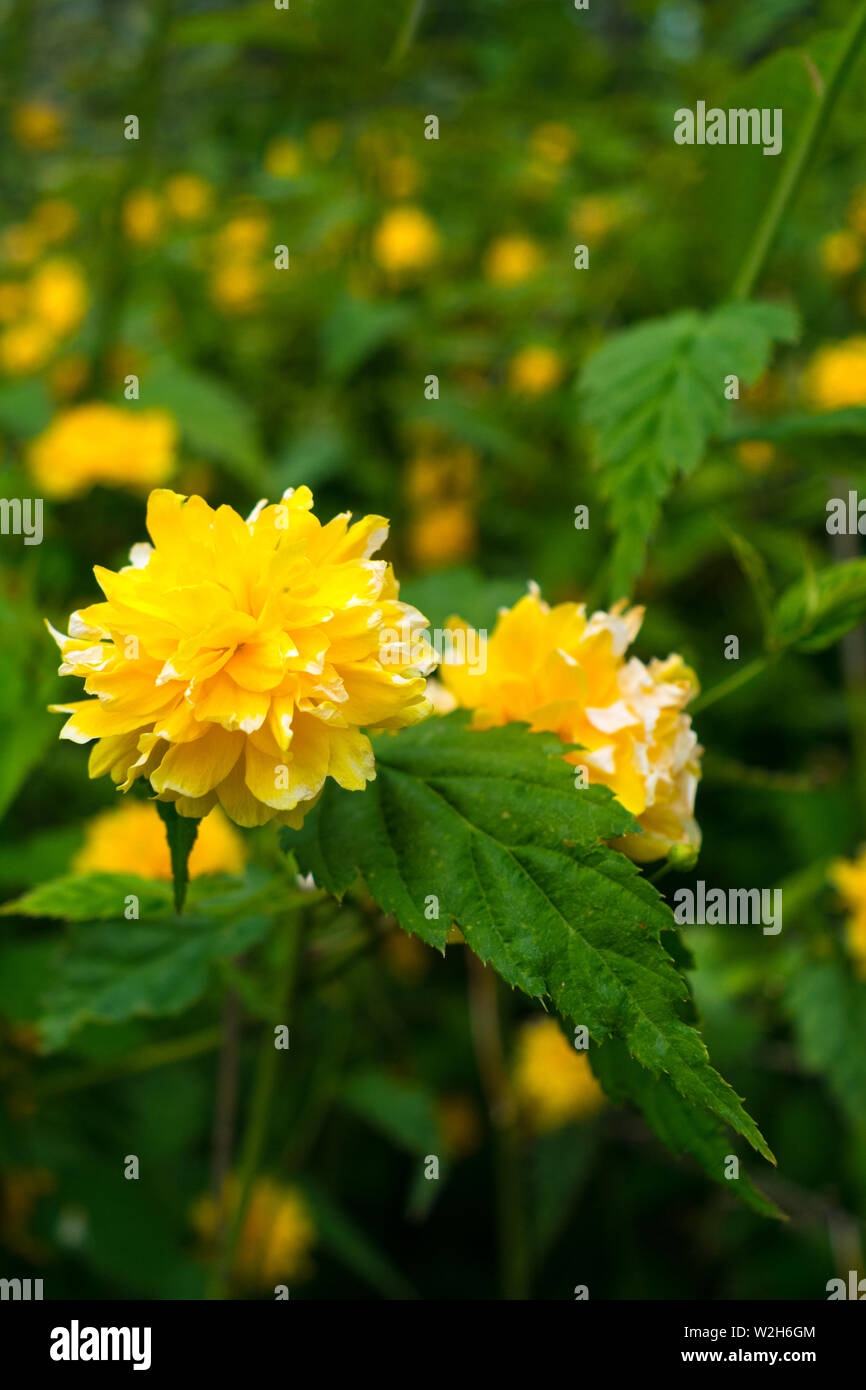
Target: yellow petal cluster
x=238, y=661
x=836, y=376
x=848, y=876
x=130, y=839
x=553, y=1083
x=563, y=671
x=405, y=240
x=39, y=314
x=100, y=443
x=276, y=1236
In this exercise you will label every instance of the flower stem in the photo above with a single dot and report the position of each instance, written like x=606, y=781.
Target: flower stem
x=259, y=1115
x=729, y=684
x=792, y=174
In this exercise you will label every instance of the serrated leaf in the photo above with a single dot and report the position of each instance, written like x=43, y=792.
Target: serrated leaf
x=107, y=974
x=654, y=396
x=822, y=607
x=490, y=828
x=679, y=1128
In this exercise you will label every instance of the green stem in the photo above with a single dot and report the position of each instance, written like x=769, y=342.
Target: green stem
x=731, y=683
x=789, y=182
x=258, y=1119
x=407, y=32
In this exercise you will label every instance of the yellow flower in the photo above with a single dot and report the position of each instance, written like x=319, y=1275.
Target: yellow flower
x=553, y=142
x=98, y=443
x=58, y=296
x=54, y=219
x=130, y=839
x=276, y=1236
x=848, y=876
x=535, y=370
x=559, y=670
x=37, y=125
x=443, y=534
x=756, y=454
x=244, y=236
x=836, y=376
x=25, y=347
x=142, y=216
x=553, y=1083
x=840, y=253
x=399, y=176
x=406, y=239
x=595, y=216
x=239, y=661
x=13, y=301
x=511, y=259
x=284, y=158
x=236, y=287
x=188, y=196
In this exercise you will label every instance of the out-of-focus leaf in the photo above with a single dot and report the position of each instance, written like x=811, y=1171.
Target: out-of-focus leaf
x=212, y=419
x=822, y=607
x=402, y=1110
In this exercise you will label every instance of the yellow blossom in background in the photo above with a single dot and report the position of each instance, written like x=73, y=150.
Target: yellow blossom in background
x=406, y=239
x=37, y=125
x=143, y=216
x=443, y=534
x=840, y=253
x=511, y=259
x=236, y=287
x=284, y=158
x=848, y=876
x=399, y=176
x=188, y=196
x=559, y=670
x=238, y=661
x=21, y=244
x=324, y=139
x=535, y=370
x=13, y=300
x=58, y=296
x=553, y=142
x=276, y=1236
x=553, y=1082
x=756, y=455
x=596, y=216
x=99, y=443
x=130, y=839
x=245, y=236
x=54, y=219
x=25, y=347
x=836, y=375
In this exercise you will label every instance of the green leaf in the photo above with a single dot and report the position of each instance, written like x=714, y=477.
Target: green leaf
x=109, y=973
x=802, y=425
x=212, y=419
x=181, y=832
x=828, y=1007
x=401, y=1110
x=488, y=830
x=349, y=1244
x=655, y=395
x=91, y=898
x=822, y=607
x=678, y=1127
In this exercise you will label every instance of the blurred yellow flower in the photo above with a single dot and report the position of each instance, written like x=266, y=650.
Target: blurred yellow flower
x=37, y=125
x=188, y=196
x=442, y=534
x=836, y=375
x=244, y=236
x=840, y=253
x=130, y=839
x=284, y=158
x=553, y=1083
x=509, y=260
x=399, y=176
x=439, y=474
x=99, y=443
x=756, y=455
x=54, y=219
x=236, y=287
x=535, y=370
x=325, y=138
x=553, y=142
x=143, y=216
x=240, y=661
x=848, y=876
x=58, y=296
x=13, y=300
x=276, y=1236
x=559, y=670
x=406, y=239
x=595, y=216
x=25, y=347
x=21, y=244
